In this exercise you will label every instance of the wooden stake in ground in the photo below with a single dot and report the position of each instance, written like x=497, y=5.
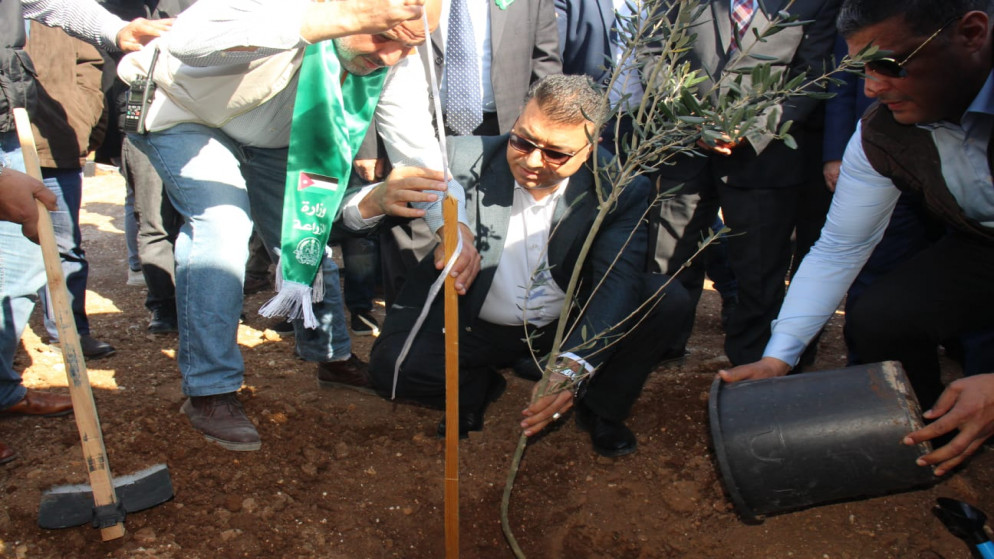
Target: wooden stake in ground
x=85, y=410
x=451, y=239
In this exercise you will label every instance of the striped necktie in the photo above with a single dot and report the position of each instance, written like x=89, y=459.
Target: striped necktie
x=741, y=14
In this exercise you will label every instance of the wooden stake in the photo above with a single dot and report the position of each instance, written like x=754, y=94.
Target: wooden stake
x=451, y=239
x=85, y=410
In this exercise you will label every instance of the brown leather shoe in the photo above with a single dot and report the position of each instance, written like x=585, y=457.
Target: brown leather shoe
x=36, y=402
x=352, y=373
x=221, y=418
x=6, y=454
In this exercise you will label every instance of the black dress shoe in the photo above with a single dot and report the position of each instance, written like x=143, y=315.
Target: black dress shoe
x=163, y=320
x=610, y=438
x=471, y=418
x=92, y=348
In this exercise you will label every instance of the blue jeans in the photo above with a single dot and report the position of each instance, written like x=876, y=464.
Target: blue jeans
x=22, y=274
x=67, y=184
x=220, y=188
x=361, y=256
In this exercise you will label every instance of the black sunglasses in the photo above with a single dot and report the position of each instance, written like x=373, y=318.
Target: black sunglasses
x=550, y=156
x=891, y=67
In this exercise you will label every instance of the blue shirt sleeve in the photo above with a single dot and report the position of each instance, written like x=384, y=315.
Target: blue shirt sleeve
x=859, y=214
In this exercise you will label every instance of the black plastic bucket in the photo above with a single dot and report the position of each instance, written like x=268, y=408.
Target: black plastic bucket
x=791, y=442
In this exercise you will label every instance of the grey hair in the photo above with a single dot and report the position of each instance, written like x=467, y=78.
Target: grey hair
x=568, y=99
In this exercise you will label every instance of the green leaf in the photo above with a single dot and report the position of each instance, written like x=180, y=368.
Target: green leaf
x=789, y=141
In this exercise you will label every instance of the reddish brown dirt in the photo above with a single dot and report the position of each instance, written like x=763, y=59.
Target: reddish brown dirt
x=344, y=475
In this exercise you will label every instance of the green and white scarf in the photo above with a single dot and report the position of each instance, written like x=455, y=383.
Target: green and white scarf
x=330, y=118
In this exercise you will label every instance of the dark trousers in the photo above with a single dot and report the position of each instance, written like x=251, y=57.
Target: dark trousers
x=941, y=293
x=484, y=347
x=759, y=249
x=158, y=225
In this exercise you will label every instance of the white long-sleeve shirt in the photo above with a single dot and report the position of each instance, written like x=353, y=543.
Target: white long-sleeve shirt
x=860, y=211
x=83, y=19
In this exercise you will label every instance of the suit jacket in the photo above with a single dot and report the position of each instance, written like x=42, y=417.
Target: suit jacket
x=799, y=49
x=68, y=119
x=585, y=36
x=524, y=46
x=843, y=111
x=480, y=164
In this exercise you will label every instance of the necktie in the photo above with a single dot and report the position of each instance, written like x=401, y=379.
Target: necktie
x=463, y=94
x=742, y=12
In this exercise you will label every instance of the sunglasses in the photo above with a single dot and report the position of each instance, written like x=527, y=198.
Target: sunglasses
x=891, y=67
x=550, y=156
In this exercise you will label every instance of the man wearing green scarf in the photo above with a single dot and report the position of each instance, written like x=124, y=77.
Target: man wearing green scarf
x=224, y=157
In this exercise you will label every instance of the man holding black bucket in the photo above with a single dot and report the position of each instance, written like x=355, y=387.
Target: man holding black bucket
x=928, y=134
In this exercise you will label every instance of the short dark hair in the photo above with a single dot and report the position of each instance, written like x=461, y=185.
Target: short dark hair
x=923, y=16
x=568, y=99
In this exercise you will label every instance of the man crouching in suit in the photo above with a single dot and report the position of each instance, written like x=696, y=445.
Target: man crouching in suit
x=530, y=200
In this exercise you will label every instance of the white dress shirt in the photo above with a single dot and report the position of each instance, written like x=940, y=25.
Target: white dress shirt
x=523, y=288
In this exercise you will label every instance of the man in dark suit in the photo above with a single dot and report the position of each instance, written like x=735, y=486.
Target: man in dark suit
x=755, y=179
x=505, y=47
x=531, y=199
x=585, y=36
x=517, y=41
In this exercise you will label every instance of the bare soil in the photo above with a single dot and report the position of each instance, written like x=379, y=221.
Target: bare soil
x=345, y=475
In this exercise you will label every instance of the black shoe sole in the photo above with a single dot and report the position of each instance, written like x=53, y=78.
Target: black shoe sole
x=330, y=384
x=101, y=355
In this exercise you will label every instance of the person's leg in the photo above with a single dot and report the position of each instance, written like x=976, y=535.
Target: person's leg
x=201, y=170
x=759, y=249
x=905, y=236
x=683, y=220
x=616, y=386
x=257, y=275
x=941, y=293
x=360, y=255
x=265, y=175
x=131, y=231
x=22, y=274
x=68, y=188
x=158, y=226
x=422, y=374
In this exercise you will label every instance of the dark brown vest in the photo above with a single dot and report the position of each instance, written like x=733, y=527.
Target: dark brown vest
x=907, y=156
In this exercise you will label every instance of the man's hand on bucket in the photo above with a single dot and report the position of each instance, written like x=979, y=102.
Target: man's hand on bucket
x=967, y=405
x=764, y=368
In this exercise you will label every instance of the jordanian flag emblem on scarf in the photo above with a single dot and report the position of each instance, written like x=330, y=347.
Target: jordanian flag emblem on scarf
x=330, y=118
